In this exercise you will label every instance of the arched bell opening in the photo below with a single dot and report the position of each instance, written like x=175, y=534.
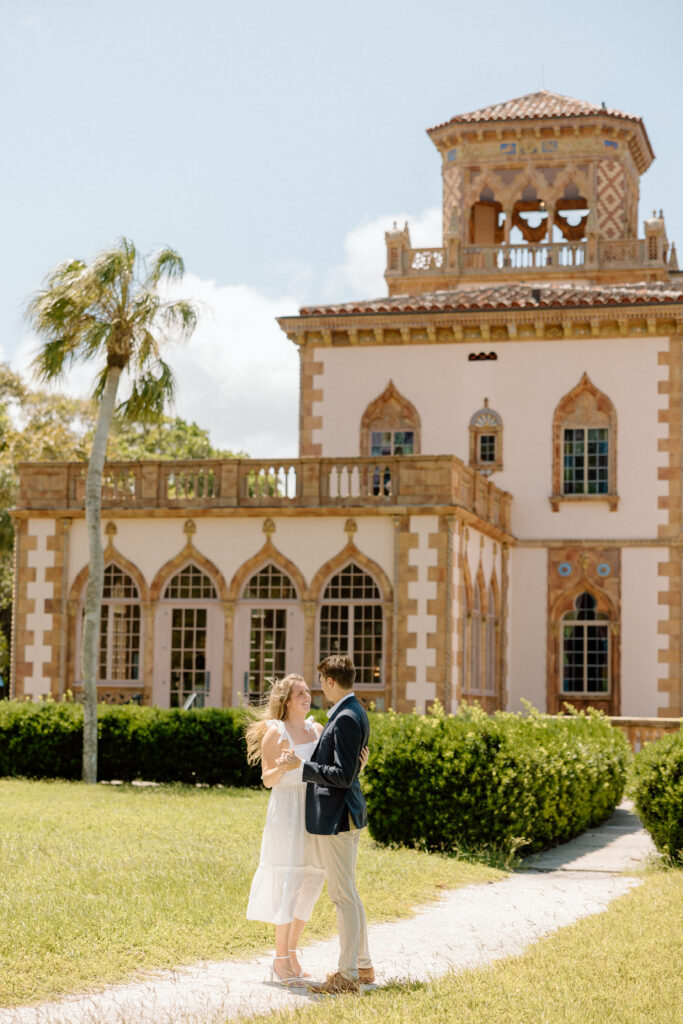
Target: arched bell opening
x=571, y=216
x=529, y=222
x=487, y=220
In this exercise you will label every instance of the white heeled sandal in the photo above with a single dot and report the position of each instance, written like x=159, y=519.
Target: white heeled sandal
x=300, y=958
x=275, y=977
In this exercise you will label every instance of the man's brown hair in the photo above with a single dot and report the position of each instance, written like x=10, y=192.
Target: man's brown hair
x=339, y=668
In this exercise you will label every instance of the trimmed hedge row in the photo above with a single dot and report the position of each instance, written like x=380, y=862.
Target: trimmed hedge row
x=469, y=781
x=440, y=782
x=44, y=740
x=657, y=790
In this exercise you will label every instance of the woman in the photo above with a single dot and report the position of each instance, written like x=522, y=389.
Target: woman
x=290, y=874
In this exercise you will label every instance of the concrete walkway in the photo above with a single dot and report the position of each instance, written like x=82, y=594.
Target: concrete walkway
x=465, y=928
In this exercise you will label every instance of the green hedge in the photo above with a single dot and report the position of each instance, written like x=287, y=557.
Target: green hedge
x=473, y=782
x=657, y=790
x=44, y=740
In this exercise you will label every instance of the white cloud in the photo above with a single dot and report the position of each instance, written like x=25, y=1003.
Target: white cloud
x=238, y=376
x=361, y=275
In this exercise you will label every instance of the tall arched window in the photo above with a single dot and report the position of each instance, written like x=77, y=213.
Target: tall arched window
x=491, y=632
x=193, y=597
x=584, y=447
x=475, y=681
x=352, y=622
x=269, y=598
x=585, y=663
x=120, y=628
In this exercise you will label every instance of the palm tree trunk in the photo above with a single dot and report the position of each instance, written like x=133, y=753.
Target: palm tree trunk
x=93, y=595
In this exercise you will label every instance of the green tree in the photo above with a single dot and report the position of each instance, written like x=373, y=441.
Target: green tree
x=109, y=311
x=169, y=438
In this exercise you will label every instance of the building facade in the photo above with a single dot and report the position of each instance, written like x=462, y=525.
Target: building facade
x=486, y=504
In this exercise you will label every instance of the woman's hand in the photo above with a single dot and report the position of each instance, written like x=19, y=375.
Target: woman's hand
x=288, y=761
x=364, y=755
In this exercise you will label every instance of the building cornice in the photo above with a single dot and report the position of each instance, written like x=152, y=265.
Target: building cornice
x=445, y=327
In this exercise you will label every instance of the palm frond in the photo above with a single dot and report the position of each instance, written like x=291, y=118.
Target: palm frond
x=180, y=316
x=100, y=383
x=149, y=394
x=166, y=263
x=53, y=360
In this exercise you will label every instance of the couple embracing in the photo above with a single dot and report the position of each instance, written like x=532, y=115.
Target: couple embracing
x=315, y=813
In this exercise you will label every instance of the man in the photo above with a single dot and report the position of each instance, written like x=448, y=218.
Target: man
x=336, y=811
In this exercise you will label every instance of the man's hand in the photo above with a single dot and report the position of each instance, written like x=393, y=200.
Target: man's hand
x=364, y=755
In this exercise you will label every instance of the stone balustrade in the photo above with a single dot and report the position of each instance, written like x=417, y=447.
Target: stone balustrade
x=407, y=480
x=524, y=256
x=644, y=730
x=472, y=259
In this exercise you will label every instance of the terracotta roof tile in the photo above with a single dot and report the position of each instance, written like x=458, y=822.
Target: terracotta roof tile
x=509, y=296
x=535, y=105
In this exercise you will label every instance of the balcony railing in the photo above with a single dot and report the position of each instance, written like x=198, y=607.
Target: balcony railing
x=407, y=480
x=522, y=257
x=549, y=256
x=644, y=730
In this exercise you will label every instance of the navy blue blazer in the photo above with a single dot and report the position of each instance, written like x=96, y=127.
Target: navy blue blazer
x=333, y=791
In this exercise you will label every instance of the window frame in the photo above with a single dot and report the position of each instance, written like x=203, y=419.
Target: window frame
x=110, y=603
x=571, y=619
x=265, y=604
x=584, y=408
x=351, y=604
x=484, y=424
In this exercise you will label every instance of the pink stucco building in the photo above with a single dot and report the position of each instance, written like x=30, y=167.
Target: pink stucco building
x=487, y=502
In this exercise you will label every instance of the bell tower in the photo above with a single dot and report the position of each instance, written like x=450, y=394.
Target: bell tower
x=541, y=188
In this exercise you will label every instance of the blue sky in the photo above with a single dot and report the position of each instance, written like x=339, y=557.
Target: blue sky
x=271, y=142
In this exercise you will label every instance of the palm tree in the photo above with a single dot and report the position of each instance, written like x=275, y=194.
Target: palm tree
x=109, y=311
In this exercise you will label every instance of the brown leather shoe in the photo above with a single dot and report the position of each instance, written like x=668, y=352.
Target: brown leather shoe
x=335, y=985
x=366, y=975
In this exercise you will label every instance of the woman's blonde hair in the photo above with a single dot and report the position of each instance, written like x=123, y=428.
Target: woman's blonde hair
x=274, y=706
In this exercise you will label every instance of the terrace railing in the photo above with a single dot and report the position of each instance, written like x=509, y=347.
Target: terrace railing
x=407, y=480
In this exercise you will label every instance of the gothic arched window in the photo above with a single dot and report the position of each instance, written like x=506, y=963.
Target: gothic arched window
x=475, y=682
x=269, y=596
x=584, y=657
x=390, y=425
x=584, y=447
x=491, y=645
x=352, y=622
x=120, y=628
x=192, y=594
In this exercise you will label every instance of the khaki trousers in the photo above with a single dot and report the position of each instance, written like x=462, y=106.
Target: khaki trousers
x=340, y=854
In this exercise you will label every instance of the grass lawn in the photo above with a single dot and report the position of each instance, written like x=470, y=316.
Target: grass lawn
x=619, y=967
x=97, y=882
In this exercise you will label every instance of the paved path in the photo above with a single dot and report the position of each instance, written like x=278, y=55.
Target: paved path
x=465, y=928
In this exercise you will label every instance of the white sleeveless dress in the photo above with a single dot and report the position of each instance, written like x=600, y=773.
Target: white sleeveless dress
x=290, y=875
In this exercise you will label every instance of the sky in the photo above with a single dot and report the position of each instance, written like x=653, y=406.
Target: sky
x=272, y=143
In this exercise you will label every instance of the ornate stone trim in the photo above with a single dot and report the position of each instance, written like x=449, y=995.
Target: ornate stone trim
x=389, y=411
x=571, y=571
x=584, y=406
x=268, y=553
x=670, y=683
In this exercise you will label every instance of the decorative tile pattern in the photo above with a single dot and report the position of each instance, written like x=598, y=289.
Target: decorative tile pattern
x=452, y=200
x=611, y=199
